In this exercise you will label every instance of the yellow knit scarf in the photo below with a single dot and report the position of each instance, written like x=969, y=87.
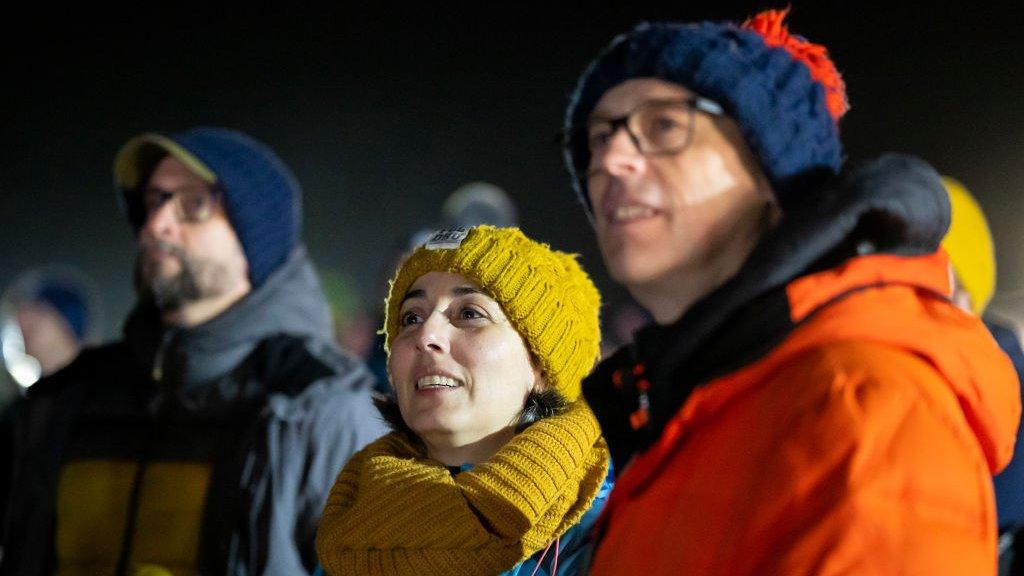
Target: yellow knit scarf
x=392, y=510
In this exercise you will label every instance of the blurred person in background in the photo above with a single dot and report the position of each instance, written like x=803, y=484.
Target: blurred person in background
x=354, y=328
x=809, y=400
x=476, y=203
x=493, y=465
x=972, y=254
x=48, y=315
x=206, y=440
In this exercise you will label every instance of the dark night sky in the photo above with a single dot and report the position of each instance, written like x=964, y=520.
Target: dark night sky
x=382, y=112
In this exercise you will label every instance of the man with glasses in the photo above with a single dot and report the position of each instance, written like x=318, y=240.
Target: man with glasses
x=206, y=440
x=808, y=400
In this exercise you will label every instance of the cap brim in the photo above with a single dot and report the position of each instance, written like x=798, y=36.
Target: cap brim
x=129, y=168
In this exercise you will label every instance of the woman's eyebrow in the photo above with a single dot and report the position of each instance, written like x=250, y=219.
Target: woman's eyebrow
x=457, y=291
x=418, y=293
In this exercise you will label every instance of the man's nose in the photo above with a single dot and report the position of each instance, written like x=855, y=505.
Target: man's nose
x=621, y=156
x=161, y=222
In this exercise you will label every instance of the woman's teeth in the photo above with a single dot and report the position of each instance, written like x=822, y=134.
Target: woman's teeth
x=436, y=382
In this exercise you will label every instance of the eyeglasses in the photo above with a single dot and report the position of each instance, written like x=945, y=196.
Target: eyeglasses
x=192, y=204
x=656, y=127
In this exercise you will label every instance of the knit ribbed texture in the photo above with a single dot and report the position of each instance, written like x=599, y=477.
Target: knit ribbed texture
x=262, y=198
x=545, y=293
x=781, y=108
x=394, y=511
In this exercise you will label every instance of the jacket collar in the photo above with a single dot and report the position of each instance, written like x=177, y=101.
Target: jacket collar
x=290, y=302
x=892, y=207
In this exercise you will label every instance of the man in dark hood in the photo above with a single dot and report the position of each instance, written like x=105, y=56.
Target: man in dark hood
x=206, y=440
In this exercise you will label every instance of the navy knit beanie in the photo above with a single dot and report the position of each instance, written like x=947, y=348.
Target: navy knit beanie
x=783, y=91
x=262, y=198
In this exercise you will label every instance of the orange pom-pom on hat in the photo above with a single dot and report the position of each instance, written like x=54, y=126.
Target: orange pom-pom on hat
x=771, y=26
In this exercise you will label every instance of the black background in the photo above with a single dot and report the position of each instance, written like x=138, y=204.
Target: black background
x=382, y=111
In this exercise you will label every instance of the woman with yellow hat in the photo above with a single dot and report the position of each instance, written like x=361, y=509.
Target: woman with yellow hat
x=493, y=466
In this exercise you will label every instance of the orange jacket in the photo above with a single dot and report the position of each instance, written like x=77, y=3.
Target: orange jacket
x=863, y=443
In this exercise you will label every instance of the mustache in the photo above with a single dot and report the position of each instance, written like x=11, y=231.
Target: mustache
x=162, y=246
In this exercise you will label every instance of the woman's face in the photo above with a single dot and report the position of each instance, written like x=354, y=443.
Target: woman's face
x=460, y=371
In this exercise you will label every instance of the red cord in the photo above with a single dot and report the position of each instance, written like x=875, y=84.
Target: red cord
x=539, y=560
x=554, y=564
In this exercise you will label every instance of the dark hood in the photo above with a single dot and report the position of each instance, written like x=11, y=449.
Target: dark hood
x=290, y=302
x=893, y=205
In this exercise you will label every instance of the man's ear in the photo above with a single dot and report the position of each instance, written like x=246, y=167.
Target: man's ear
x=960, y=296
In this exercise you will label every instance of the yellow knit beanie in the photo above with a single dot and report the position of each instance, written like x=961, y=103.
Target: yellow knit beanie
x=969, y=245
x=545, y=293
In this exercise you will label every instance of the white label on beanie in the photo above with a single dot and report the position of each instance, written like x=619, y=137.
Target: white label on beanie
x=446, y=239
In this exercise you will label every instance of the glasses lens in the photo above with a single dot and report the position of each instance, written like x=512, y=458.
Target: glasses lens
x=190, y=204
x=153, y=199
x=599, y=132
x=663, y=127
x=195, y=204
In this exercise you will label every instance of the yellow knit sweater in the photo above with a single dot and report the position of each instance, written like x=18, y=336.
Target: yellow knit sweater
x=392, y=510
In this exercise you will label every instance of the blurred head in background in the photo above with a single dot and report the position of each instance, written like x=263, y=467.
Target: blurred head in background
x=49, y=313
x=971, y=250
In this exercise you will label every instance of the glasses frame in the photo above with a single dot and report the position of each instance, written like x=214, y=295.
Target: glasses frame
x=693, y=104
x=179, y=212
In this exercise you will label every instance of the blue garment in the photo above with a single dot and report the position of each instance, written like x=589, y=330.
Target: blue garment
x=574, y=546
x=1009, y=484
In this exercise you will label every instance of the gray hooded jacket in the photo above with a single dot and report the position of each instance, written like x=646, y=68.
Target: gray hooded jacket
x=260, y=391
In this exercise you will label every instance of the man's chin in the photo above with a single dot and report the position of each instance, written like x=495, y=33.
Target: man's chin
x=155, y=284
x=635, y=271
x=171, y=291
x=627, y=263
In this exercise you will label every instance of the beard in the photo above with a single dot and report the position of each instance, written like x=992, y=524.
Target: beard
x=195, y=280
